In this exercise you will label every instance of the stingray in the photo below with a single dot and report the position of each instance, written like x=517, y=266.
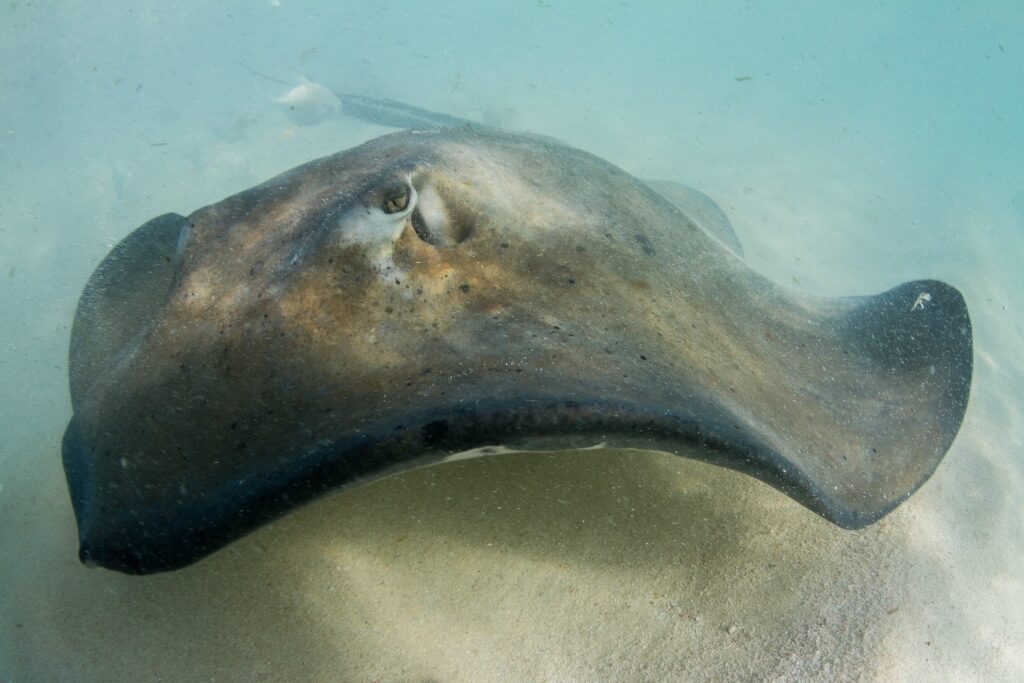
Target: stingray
x=446, y=293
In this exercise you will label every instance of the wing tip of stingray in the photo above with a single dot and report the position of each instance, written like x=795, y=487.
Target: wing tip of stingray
x=919, y=329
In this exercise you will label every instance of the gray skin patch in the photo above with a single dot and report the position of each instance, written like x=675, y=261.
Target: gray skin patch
x=434, y=293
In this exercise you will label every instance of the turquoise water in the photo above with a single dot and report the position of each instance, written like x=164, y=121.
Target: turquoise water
x=854, y=147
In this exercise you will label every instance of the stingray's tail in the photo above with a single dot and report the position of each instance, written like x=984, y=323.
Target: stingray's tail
x=399, y=115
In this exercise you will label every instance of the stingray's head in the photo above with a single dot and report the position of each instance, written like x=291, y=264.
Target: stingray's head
x=430, y=293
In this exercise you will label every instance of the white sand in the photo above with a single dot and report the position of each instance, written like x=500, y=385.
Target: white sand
x=586, y=566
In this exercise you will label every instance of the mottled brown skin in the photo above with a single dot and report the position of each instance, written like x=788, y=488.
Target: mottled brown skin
x=433, y=292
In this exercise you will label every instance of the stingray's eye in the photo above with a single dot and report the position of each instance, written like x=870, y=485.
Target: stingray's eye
x=395, y=198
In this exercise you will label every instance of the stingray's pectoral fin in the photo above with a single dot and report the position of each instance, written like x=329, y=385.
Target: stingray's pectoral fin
x=125, y=291
x=701, y=210
x=871, y=410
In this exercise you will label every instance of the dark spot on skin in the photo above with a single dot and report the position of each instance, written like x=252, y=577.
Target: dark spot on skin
x=645, y=244
x=234, y=425
x=464, y=286
x=643, y=357
x=571, y=281
x=504, y=245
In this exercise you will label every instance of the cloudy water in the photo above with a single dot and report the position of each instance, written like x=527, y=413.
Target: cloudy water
x=853, y=146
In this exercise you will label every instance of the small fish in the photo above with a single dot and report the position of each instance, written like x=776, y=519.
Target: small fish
x=308, y=103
